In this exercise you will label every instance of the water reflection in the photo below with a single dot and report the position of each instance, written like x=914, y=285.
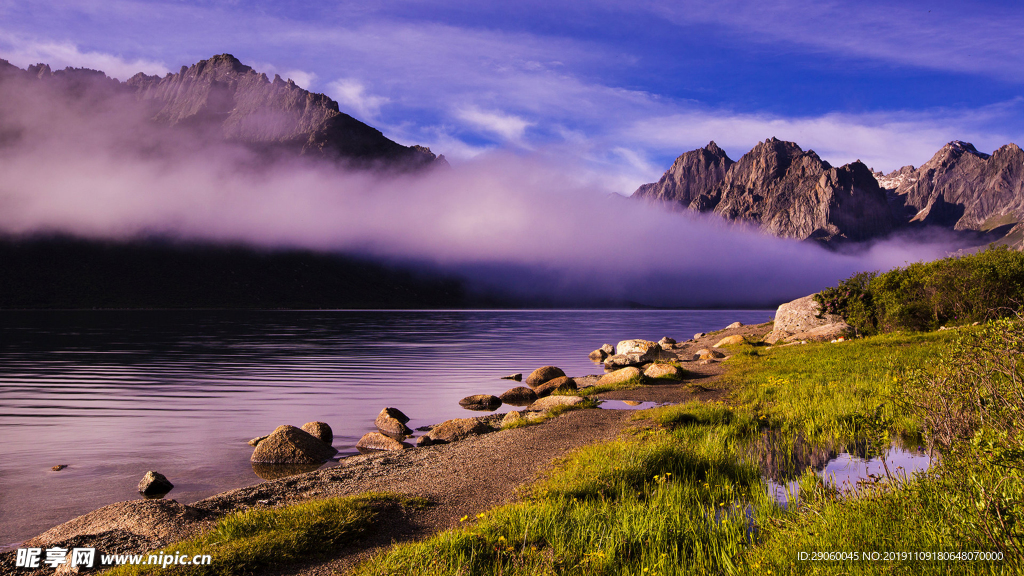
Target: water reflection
x=783, y=458
x=275, y=471
x=116, y=393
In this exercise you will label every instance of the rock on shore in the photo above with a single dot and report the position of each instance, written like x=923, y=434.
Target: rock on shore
x=378, y=441
x=457, y=429
x=518, y=396
x=802, y=319
x=291, y=445
x=562, y=384
x=542, y=375
x=320, y=430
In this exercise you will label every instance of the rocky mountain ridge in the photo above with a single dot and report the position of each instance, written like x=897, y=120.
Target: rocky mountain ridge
x=779, y=187
x=792, y=193
x=233, y=101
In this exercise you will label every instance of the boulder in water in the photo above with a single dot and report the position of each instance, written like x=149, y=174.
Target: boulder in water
x=481, y=402
x=154, y=484
x=519, y=396
x=320, y=430
x=291, y=445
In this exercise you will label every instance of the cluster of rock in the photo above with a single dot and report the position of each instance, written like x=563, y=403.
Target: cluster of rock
x=630, y=353
x=391, y=432
x=310, y=444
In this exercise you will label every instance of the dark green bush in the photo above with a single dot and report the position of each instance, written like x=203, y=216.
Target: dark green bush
x=924, y=296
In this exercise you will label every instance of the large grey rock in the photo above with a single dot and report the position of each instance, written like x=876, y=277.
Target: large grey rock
x=457, y=429
x=154, y=483
x=542, y=375
x=375, y=441
x=633, y=353
x=560, y=385
x=550, y=402
x=799, y=316
x=319, y=430
x=645, y=348
x=824, y=333
x=290, y=445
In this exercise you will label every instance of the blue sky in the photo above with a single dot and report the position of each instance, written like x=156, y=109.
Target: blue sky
x=616, y=88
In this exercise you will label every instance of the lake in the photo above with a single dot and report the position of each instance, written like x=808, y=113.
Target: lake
x=113, y=394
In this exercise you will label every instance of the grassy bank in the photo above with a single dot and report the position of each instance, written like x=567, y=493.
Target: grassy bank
x=685, y=494
x=248, y=541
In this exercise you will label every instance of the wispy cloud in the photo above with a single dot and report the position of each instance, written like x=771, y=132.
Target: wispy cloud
x=955, y=36
x=508, y=126
x=352, y=95
x=882, y=140
x=22, y=52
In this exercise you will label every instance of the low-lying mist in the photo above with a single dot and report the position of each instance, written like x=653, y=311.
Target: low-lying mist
x=89, y=162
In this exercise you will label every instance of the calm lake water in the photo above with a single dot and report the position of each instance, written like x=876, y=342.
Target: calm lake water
x=114, y=394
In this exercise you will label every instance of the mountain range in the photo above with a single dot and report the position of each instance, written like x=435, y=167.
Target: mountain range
x=792, y=193
x=224, y=96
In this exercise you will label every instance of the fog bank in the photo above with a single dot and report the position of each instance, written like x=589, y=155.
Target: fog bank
x=90, y=163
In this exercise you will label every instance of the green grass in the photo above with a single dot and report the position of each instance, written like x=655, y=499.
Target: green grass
x=244, y=542
x=687, y=497
x=631, y=384
x=833, y=392
x=645, y=504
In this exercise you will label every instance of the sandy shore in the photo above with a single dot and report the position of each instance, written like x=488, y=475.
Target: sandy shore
x=461, y=478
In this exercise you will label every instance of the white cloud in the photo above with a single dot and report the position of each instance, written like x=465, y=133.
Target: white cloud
x=301, y=78
x=23, y=53
x=509, y=127
x=351, y=94
x=884, y=141
x=304, y=79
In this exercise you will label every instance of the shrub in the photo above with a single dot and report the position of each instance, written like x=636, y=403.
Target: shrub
x=924, y=296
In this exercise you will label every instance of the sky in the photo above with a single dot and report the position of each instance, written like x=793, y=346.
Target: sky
x=617, y=88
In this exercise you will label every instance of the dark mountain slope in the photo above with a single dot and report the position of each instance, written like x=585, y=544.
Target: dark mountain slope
x=63, y=272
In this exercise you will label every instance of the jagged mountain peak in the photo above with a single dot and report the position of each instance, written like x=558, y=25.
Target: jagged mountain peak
x=715, y=149
x=248, y=107
x=784, y=189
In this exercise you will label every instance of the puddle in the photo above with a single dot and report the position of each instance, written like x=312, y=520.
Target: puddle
x=628, y=405
x=846, y=471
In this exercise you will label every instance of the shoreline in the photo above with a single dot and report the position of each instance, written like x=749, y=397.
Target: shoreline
x=459, y=479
